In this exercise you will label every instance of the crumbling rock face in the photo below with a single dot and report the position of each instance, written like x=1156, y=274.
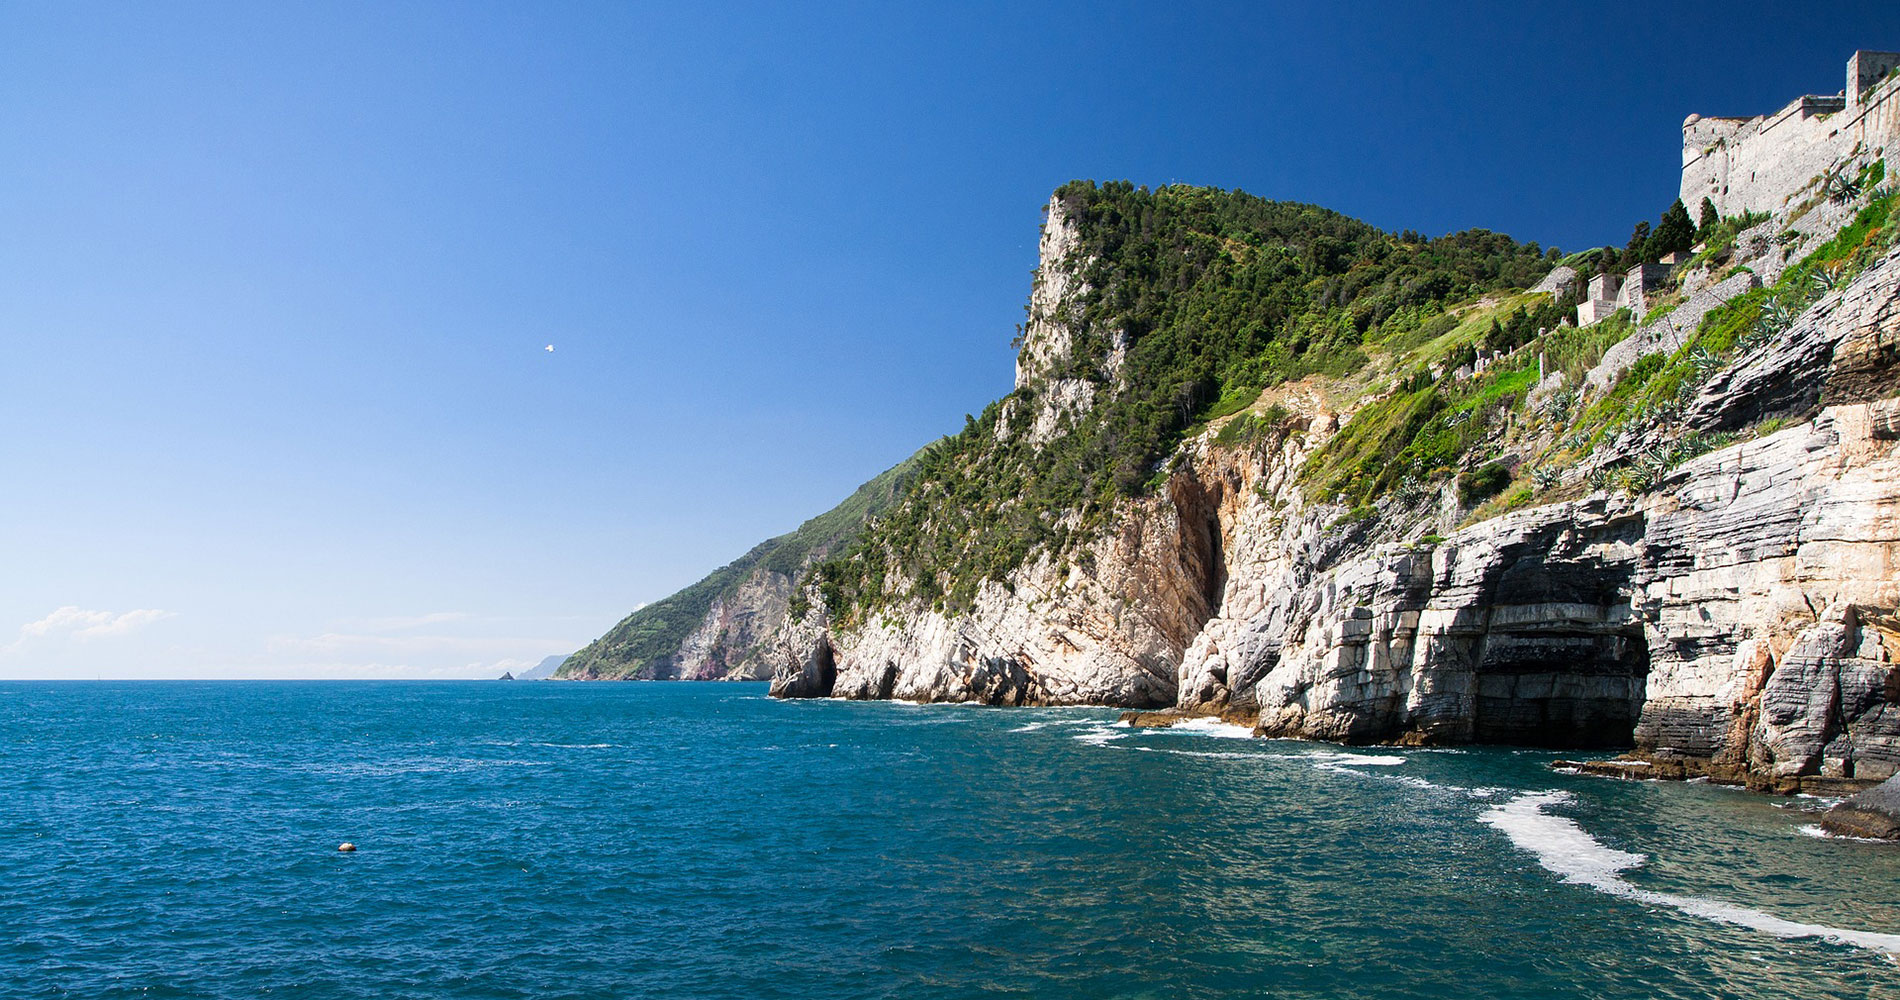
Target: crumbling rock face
x=1866, y=356
x=1796, y=372
x=807, y=665
x=728, y=643
x=1516, y=633
x=1057, y=633
x=1053, y=394
x=1766, y=568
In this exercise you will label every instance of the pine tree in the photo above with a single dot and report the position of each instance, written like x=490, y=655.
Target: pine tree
x=1674, y=234
x=1638, y=244
x=1710, y=219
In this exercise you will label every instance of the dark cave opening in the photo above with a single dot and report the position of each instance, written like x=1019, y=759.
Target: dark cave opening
x=1214, y=570
x=1563, y=690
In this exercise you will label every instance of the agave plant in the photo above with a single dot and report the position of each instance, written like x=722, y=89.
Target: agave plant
x=1777, y=316
x=1558, y=408
x=1704, y=361
x=1546, y=476
x=1756, y=336
x=1601, y=478
x=1654, y=459
x=1838, y=185
x=1686, y=393
x=1828, y=276
x=1636, y=479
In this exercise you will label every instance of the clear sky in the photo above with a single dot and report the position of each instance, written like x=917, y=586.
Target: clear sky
x=277, y=282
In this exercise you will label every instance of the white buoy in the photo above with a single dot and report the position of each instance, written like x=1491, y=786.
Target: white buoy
x=346, y=847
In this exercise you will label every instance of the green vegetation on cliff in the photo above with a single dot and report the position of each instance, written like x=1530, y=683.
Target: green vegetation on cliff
x=645, y=643
x=1207, y=297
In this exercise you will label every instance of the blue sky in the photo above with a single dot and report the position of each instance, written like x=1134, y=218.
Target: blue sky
x=276, y=285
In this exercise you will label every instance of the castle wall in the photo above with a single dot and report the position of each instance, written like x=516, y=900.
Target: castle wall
x=1765, y=163
x=1865, y=70
x=1642, y=280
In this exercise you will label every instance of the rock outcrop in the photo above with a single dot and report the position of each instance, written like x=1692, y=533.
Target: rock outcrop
x=731, y=641
x=1873, y=814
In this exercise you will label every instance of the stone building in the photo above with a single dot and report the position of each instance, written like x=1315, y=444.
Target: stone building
x=1764, y=163
x=1631, y=290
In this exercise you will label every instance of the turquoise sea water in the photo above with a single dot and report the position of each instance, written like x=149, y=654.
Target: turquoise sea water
x=700, y=841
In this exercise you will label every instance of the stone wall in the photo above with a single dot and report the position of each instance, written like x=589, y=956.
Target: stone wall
x=1640, y=285
x=1766, y=163
x=1866, y=69
x=1668, y=332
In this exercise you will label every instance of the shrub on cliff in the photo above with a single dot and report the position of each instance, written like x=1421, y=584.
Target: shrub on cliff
x=1709, y=220
x=1482, y=483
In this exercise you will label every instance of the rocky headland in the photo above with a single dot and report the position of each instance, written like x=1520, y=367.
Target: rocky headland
x=1265, y=463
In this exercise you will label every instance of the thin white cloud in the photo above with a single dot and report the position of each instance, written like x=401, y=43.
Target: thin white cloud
x=122, y=624
x=84, y=625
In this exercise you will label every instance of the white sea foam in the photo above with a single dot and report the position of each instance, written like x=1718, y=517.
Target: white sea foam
x=1814, y=830
x=1102, y=735
x=1210, y=726
x=1353, y=759
x=1213, y=754
x=1052, y=723
x=1564, y=848
x=574, y=746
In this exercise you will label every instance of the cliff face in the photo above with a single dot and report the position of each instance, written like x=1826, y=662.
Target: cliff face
x=1736, y=619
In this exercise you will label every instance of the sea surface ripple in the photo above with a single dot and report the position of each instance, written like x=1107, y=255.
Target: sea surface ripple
x=548, y=840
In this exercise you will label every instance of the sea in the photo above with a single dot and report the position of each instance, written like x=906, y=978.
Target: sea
x=562, y=840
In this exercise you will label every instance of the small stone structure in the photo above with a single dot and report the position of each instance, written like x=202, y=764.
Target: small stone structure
x=1762, y=164
x=1632, y=290
x=1666, y=333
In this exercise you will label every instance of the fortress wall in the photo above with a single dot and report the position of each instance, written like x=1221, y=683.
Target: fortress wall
x=1763, y=164
x=1867, y=69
